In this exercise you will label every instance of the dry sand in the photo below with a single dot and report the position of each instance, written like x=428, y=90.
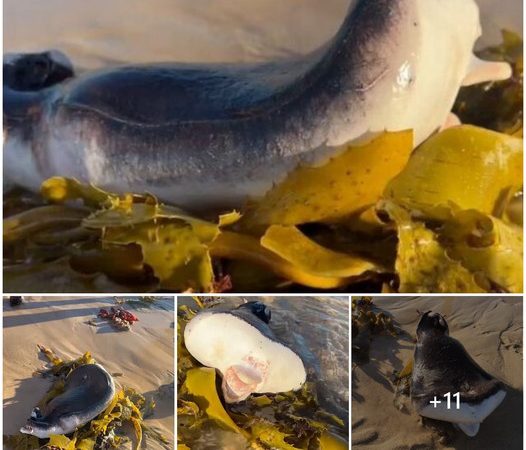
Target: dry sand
x=99, y=33
x=144, y=355
x=490, y=328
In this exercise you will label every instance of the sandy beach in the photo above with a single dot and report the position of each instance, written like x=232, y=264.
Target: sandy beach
x=100, y=34
x=144, y=355
x=490, y=329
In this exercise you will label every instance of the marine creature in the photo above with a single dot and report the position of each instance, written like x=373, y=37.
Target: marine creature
x=88, y=391
x=213, y=135
x=239, y=343
x=441, y=366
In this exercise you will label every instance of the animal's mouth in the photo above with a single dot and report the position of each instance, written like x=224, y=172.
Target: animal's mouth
x=239, y=381
x=27, y=429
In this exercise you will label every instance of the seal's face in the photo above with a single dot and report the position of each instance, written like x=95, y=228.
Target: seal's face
x=432, y=323
x=28, y=84
x=39, y=429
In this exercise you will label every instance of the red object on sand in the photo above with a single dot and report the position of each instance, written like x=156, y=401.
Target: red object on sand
x=118, y=313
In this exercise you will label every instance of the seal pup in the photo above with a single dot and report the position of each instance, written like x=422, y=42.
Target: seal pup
x=211, y=136
x=88, y=391
x=240, y=345
x=441, y=366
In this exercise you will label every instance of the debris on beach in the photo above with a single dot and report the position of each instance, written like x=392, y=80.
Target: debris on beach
x=118, y=317
x=108, y=430
x=365, y=323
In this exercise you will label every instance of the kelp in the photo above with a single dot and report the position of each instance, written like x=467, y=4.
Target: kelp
x=345, y=186
x=292, y=245
x=106, y=430
x=497, y=105
x=461, y=241
x=367, y=321
x=295, y=266
x=423, y=265
x=289, y=420
x=200, y=384
x=464, y=167
x=486, y=245
x=139, y=240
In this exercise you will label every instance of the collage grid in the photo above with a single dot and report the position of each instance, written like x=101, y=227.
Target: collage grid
x=264, y=225
x=343, y=369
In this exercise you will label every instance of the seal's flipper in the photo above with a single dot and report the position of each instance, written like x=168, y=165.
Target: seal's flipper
x=481, y=71
x=35, y=71
x=471, y=429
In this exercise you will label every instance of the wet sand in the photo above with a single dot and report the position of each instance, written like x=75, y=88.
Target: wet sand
x=490, y=329
x=100, y=33
x=144, y=355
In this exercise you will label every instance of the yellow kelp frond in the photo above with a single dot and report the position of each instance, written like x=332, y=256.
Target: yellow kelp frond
x=238, y=246
x=62, y=368
x=331, y=442
x=177, y=253
x=485, y=244
x=60, y=190
x=61, y=442
x=463, y=167
x=291, y=244
x=269, y=435
x=131, y=239
x=423, y=265
x=38, y=220
x=348, y=184
x=200, y=384
x=468, y=252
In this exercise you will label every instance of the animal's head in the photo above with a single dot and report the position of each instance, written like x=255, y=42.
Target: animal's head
x=39, y=429
x=28, y=83
x=432, y=323
x=260, y=310
x=428, y=49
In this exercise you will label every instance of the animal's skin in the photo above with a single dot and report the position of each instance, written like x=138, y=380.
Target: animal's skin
x=241, y=346
x=205, y=136
x=441, y=366
x=88, y=391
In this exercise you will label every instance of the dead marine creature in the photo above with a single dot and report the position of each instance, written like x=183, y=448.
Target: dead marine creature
x=88, y=391
x=240, y=344
x=214, y=135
